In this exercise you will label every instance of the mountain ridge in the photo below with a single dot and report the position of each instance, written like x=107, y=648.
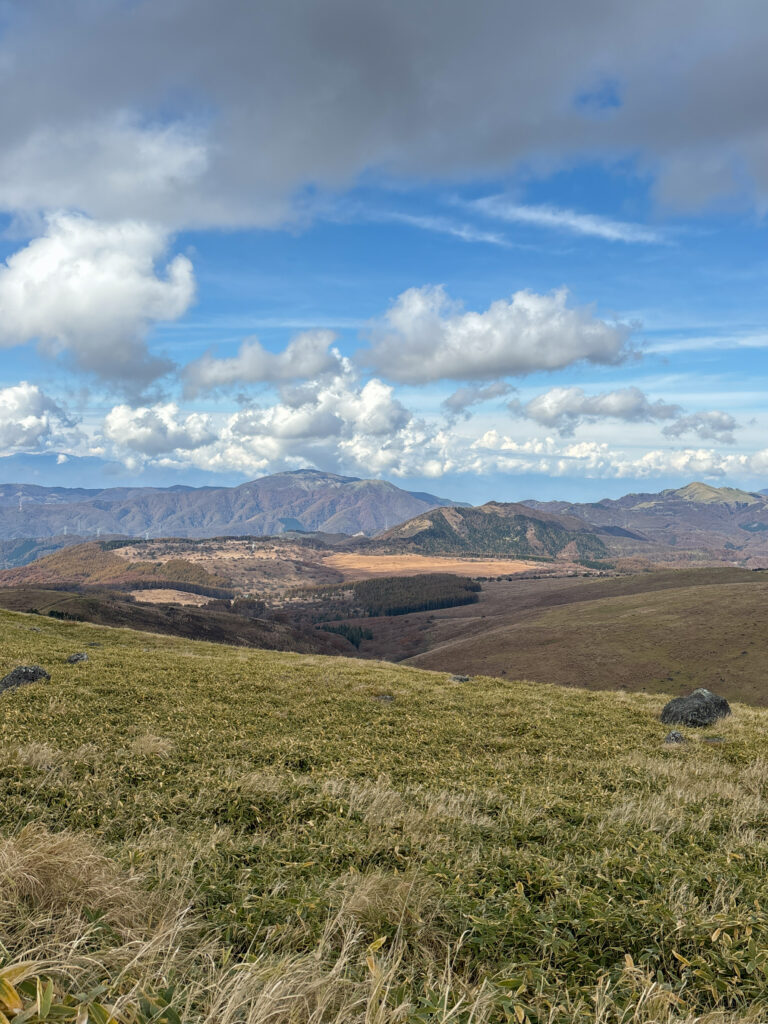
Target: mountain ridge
x=698, y=519
x=307, y=500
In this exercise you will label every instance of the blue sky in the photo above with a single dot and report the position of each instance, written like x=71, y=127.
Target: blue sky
x=484, y=264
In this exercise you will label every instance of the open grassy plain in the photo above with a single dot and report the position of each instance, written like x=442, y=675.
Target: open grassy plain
x=238, y=835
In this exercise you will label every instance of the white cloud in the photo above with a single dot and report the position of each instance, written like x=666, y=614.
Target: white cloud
x=153, y=431
x=564, y=409
x=31, y=420
x=715, y=425
x=444, y=226
x=496, y=453
x=346, y=427
x=334, y=420
x=560, y=219
x=91, y=291
x=306, y=356
x=461, y=401
x=427, y=337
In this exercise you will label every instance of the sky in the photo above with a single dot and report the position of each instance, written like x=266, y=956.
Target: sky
x=492, y=250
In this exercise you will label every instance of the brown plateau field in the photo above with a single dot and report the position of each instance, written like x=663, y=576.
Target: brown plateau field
x=357, y=566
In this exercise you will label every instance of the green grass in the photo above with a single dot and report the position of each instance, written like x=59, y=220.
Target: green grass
x=294, y=849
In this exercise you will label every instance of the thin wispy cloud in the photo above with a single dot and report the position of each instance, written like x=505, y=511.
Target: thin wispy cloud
x=445, y=226
x=562, y=219
x=709, y=342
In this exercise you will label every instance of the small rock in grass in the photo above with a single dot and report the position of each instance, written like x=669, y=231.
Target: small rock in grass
x=698, y=709
x=73, y=659
x=385, y=698
x=22, y=675
x=674, y=737
x=459, y=679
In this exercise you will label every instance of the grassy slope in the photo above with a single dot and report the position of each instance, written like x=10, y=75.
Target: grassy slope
x=223, y=627
x=662, y=633
x=511, y=848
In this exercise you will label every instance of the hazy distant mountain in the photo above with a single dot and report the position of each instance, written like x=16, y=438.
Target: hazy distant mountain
x=495, y=529
x=724, y=522
x=304, y=500
x=56, y=469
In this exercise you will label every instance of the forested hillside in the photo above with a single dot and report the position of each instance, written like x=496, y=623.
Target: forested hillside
x=494, y=529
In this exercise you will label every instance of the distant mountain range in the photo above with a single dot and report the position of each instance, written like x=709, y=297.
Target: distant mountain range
x=697, y=522
x=305, y=500
x=719, y=523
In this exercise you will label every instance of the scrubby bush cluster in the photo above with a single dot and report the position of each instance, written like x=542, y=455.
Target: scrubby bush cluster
x=355, y=634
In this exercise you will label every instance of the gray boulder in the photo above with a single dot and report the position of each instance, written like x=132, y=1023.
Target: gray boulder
x=698, y=709
x=21, y=675
x=674, y=737
x=73, y=659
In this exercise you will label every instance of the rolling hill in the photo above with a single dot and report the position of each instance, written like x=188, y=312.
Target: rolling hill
x=662, y=632
x=304, y=500
x=495, y=529
x=698, y=520
x=93, y=564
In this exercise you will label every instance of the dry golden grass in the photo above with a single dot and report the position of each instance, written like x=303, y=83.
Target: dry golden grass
x=151, y=746
x=362, y=567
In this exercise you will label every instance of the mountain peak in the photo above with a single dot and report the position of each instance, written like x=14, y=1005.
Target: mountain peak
x=706, y=494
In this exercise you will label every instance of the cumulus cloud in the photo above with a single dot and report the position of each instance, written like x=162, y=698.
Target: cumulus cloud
x=156, y=430
x=346, y=427
x=90, y=291
x=715, y=425
x=308, y=355
x=461, y=401
x=564, y=409
x=332, y=421
x=427, y=337
x=31, y=420
x=494, y=452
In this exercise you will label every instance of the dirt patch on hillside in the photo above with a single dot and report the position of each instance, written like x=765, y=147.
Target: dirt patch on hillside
x=169, y=597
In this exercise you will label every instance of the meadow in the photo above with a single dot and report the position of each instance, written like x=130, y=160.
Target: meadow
x=197, y=833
